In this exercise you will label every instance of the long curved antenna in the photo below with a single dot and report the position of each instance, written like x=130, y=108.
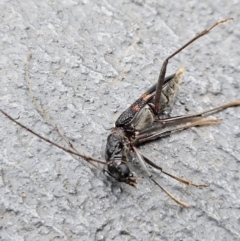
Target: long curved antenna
x=44, y=115
x=87, y=158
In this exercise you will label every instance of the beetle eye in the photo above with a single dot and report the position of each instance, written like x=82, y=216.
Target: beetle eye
x=123, y=170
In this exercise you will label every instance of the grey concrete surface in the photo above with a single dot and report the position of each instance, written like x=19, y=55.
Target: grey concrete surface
x=90, y=60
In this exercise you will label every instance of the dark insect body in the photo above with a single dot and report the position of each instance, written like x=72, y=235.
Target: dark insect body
x=145, y=120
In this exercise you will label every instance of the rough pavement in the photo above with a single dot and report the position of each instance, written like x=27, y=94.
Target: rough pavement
x=90, y=60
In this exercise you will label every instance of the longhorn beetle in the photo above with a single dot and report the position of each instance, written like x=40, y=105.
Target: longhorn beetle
x=142, y=122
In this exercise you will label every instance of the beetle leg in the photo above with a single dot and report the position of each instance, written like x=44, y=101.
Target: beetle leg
x=182, y=180
x=141, y=159
x=185, y=118
x=156, y=134
x=165, y=63
x=156, y=131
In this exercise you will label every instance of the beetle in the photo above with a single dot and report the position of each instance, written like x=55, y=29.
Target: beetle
x=147, y=119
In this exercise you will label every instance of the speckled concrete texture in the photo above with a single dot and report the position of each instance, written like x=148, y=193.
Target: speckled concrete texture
x=90, y=60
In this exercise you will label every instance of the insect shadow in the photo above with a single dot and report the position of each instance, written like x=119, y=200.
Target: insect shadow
x=145, y=120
